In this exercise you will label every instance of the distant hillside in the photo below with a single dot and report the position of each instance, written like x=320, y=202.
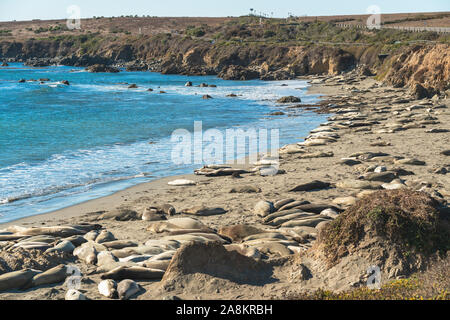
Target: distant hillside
x=240, y=48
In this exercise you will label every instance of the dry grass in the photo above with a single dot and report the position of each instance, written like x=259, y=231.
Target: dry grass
x=405, y=220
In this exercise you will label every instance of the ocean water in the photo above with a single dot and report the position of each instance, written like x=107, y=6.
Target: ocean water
x=62, y=145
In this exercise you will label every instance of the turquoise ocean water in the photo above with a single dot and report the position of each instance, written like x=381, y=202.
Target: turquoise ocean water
x=61, y=145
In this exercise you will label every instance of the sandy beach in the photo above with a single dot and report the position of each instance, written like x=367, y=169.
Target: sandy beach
x=376, y=129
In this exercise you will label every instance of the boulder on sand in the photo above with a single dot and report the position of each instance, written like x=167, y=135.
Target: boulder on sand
x=214, y=260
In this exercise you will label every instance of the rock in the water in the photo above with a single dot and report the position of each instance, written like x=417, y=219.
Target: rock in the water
x=127, y=288
x=108, y=288
x=289, y=99
x=264, y=208
x=312, y=186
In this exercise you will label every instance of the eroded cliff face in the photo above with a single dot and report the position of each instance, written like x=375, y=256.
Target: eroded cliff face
x=428, y=65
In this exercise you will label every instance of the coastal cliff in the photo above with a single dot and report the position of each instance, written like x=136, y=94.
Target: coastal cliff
x=246, y=52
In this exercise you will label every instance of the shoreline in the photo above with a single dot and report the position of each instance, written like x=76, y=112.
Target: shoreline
x=99, y=203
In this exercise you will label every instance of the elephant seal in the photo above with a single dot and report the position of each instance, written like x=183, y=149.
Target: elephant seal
x=153, y=214
x=58, y=231
x=309, y=222
x=105, y=257
x=156, y=264
x=105, y=236
x=292, y=205
x=63, y=246
x=43, y=238
x=76, y=240
x=279, y=221
x=33, y=245
x=202, y=211
x=238, y=232
x=55, y=275
x=168, y=209
x=127, y=288
x=88, y=251
x=281, y=203
x=126, y=252
x=16, y=279
x=136, y=258
x=138, y=273
x=120, y=244
x=108, y=288
x=197, y=237
x=91, y=235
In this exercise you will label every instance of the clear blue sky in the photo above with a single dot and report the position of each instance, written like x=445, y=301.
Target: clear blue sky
x=52, y=9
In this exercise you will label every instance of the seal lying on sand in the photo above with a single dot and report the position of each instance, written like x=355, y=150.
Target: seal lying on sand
x=177, y=224
x=16, y=279
x=136, y=273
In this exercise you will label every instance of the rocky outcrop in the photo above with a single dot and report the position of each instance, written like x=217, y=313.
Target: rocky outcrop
x=428, y=65
x=96, y=68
